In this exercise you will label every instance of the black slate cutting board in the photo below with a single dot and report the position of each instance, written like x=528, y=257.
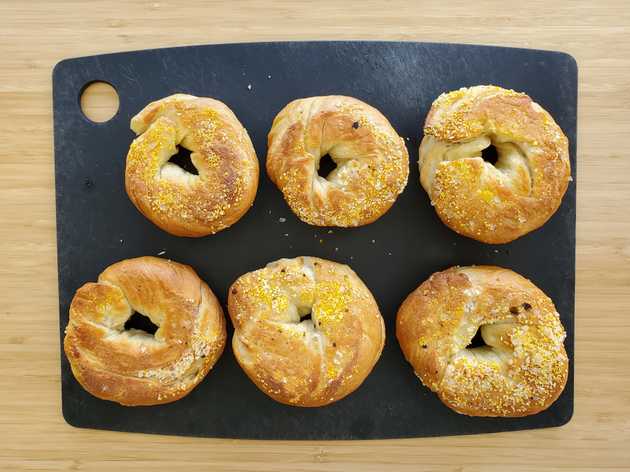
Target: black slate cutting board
x=97, y=225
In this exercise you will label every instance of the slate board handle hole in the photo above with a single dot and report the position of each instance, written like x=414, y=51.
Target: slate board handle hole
x=99, y=101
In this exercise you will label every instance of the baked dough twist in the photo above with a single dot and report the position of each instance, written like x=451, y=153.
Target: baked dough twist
x=178, y=201
x=372, y=160
x=523, y=367
x=302, y=361
x=501, y=202
x=132, y=367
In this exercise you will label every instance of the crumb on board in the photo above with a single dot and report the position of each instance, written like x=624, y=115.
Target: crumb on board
x=161, y=253
x=282, y=220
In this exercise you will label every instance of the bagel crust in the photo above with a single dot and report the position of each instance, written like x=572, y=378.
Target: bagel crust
x=501, y=202
x=305, y=362
x=132, y=367
x=178, y=201
x=372, y=160
x=520, y=371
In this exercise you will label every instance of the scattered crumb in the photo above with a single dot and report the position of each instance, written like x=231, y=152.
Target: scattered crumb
x=269, y=76
x=330, y=231
x=336, y=249
x=270, y=212
x=351, y=257
x=373, y=241
x=121, y=241
x=389, y=253
x=286, y=234
x=282, y=220
x=321, y=241
x=407, y=138
x=496, y=251
x=249, y=86
x=161, y=253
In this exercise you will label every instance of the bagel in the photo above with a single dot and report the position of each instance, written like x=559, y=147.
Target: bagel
x=371, y=160
x=180, y=202
x=304, y=360
x=501, y=202
x=133, y=367
x=520, y=371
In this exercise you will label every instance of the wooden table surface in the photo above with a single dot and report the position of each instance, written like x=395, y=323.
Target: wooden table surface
x=35, y=35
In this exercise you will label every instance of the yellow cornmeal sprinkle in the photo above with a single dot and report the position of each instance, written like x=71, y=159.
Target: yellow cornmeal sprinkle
x=461, y=205
x=482, y=385
x=328, y=299
x=332, y=371
x=486, y=195
x=531, y=375
x=267, y=290
x=331, y=301
x=306, y=296
x=463, y=123
x=536, y=365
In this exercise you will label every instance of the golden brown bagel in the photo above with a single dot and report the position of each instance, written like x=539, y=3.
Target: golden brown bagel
x=493, y=203
x=523, y=367
x=372, y=161
x=178, y=201
x=309, y=362
x=132, y=367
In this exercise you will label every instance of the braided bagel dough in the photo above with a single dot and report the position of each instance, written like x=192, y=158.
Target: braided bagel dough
x=302, y=361
x=493, y=203
x=178, y=201
x=372, y=160
x=523, y=367
x=132, y=367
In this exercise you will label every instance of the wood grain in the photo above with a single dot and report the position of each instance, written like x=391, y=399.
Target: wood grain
x=35, y=35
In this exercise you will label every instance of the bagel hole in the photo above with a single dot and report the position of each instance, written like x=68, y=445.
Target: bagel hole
x=183, y=160
x=476, y=341
x=490, y=155
x=140, y=322
x=306, y=316
x=326, y=166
